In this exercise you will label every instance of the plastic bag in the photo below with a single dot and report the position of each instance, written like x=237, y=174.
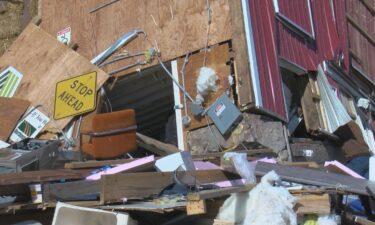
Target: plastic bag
x=237, y=162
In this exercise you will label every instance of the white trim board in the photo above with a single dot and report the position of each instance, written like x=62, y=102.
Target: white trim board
x=178, y=110
x=252, y=54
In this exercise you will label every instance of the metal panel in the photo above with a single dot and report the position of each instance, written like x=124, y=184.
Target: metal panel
x=261, y=33
x=329, y=39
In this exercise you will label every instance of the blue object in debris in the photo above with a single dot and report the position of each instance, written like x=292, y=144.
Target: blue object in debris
x=360, y=165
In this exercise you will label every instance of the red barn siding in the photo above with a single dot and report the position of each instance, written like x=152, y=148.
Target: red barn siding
x=264, y=30
x=301, y=16
x=273, y=38
x=327, y=43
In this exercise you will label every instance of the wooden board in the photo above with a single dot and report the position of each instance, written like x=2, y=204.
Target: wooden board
x=43, y=61
x=141, y=185
x=69, y=191
x=155, y=146
x=312, y=204
x=216, y=193
x=217, y=57
x=241, y=58
x=309, y=108
x=41, y=176
x=315, y=177
x=196, y=207
x=11, y=110
x=176, y=26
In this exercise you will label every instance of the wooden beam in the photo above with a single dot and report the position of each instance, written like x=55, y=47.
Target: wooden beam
x=241, y=59
x=363, y=221
x=155, y=146
x=208, y=194
x=196, y=207
x=140, y=185
x=41, y=176
x=95, y=164
x=220, y=154
x=223, y=222
x=70, y=191
x=315, y=177
x=360, y=29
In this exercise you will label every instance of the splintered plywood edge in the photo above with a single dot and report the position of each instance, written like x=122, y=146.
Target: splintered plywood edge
x=43, y=61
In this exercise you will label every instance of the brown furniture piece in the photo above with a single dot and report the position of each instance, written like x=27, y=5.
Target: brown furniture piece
x=113, y=134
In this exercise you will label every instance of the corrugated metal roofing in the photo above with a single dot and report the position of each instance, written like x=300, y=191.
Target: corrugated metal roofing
x=150, y=94
x=264, y=34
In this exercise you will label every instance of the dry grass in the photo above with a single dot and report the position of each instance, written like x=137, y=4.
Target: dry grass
x=10, y=21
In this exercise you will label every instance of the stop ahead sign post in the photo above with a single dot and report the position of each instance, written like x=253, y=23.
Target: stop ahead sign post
x=75, y=96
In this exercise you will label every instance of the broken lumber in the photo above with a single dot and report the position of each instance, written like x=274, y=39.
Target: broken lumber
x=41, y=176
x=141, y=185
x=208, y=194
x=71, y=191
x=155, y=146
x=314, y=177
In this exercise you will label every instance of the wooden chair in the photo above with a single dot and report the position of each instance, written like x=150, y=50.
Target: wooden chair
x=113, y=134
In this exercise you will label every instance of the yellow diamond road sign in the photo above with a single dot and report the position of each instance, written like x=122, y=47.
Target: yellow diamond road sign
x=75, y=96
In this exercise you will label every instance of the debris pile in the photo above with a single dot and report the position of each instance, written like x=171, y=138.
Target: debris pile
x=98, y=124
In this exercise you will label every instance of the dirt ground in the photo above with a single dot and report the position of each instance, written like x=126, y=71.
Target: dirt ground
x=11, y=19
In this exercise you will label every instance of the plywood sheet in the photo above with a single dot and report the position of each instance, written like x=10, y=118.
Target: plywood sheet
x=177, y=26
x=43, y=61
x=217, y=58
x=11, y=110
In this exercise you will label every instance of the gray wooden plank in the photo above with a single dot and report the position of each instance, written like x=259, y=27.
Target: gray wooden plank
x=315, y=177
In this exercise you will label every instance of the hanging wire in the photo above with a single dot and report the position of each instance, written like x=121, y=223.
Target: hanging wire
x=208, y=5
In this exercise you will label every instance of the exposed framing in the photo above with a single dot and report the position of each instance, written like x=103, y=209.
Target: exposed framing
x=253, y=64
x=292, y=25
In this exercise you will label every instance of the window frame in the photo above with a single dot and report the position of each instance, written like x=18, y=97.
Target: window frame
x=293, y=25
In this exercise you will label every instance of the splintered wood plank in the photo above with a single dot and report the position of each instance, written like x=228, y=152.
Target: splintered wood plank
x=217, y=57
x=315, y=177
x=44, y=61
x=312, y=204
x=241, y=59
x=176, y=26
x=208, y=194
x=309, y=108
x=11, y=110
x=142, y=185
x=41, y=176
x=155, y=146
x=69, y=191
